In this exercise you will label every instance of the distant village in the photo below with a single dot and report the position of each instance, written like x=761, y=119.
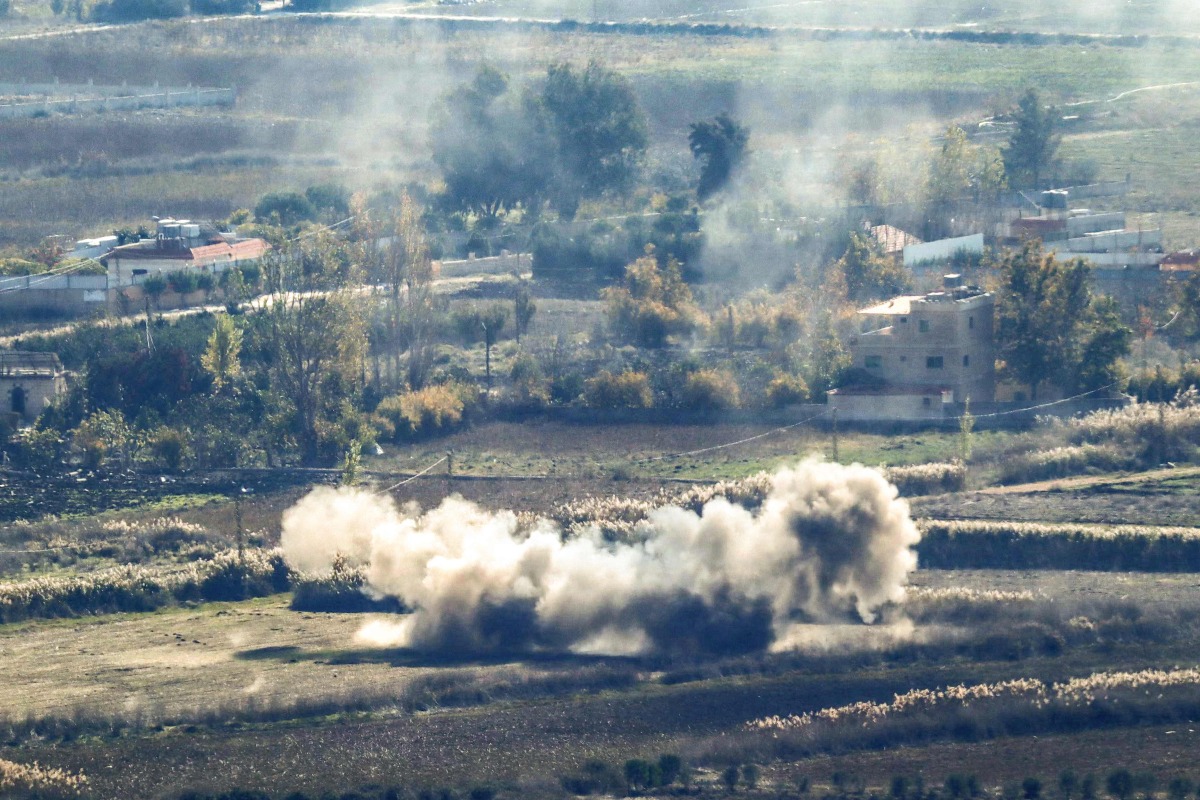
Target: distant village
x=929, y=354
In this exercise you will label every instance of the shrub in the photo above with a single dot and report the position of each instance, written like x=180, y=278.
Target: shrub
x=921, y=479
x=428, y=411
x=711, y=390
x=1060, y=462
x=42, y=781
x=36, y=449
x=225, y=577
x=183, y=281
x=786, y=390
x=170, y=448
x=342, y=590
x=973, y=544
x=595, y=777
x=529, y=385
x=626, y=390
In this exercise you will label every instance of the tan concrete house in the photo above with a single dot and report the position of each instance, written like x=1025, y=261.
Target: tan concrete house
x=920, y=353
x=29, y=381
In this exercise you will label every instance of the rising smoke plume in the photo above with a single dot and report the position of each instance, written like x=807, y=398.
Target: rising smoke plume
x=830, y=544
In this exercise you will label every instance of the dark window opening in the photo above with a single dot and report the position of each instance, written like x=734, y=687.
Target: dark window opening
x=874, y=362
x=1019, y=397
x=923, y=325
x=966, y=361
x=18, y=401
x=904, y=319
x=924, y=401
x=934, y=362
x=970, y=322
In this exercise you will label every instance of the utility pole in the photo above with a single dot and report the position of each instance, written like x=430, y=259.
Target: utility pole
x=835, y=436
x=241, y=533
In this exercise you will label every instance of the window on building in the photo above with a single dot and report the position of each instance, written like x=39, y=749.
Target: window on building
x=923, y=325
x=924, y=401
x=970, y=322
x=934, y=362
x=18, y=400
x=904, y=358
x=966, y=361
x=904, y=319
x=874, y=362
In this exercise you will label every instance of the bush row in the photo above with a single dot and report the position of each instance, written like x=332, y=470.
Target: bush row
x=982, y=544
x=228, y=576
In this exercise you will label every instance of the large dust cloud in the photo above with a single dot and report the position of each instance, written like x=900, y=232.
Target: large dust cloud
x=830, y=544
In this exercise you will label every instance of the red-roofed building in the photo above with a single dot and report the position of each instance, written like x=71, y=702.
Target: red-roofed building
x=179, y=245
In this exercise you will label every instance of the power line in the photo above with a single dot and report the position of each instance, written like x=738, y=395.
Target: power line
x=412, y=478
x=728, y=444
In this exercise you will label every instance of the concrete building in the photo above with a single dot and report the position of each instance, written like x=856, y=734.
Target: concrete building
x=920, y=352
x=1102, y=239
x=178, y=245
x=29, y=381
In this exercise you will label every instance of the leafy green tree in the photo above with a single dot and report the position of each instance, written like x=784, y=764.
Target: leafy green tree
x=950, y=172
x=721, y=146
x=329, y=200
x=1033, y=144
x=670, y=767
x=524, y=307
x=729, y=776
x=1179, y=788
x=595, y=130
x=866, y=273
x=155, y=286
x=314, y=336
x=489, y=148
x=637, y=773
x=1186, y=324
x=221, y=356
x=284, y=208
x=653, y=303
x=1068, y=783
x=1048, y=324
x=104, y=435
x=1120, y=784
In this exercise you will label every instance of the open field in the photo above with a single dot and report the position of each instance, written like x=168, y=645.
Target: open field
x=348, y=99
x=316, y=709
x=232, y=657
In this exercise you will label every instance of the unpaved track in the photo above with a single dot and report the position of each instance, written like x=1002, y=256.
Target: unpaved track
x=1088, y=481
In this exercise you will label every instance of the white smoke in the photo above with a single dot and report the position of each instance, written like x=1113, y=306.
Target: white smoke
x=830, y=544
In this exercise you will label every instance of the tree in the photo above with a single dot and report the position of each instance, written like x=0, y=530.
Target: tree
x=1033, y=144
x=1120, y=784
x=866, y=273
x=488, y=147
x=524, y=308
x=722, y=146
x=155, y=286
x=315, y=335
x=595, y=130
x=653, y=303
x=407, y=273
x=1049, y=325
x=329, y=199
x=284, y=208
x=220, y=358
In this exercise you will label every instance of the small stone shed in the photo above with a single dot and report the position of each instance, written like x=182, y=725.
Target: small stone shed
x=28, y=382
